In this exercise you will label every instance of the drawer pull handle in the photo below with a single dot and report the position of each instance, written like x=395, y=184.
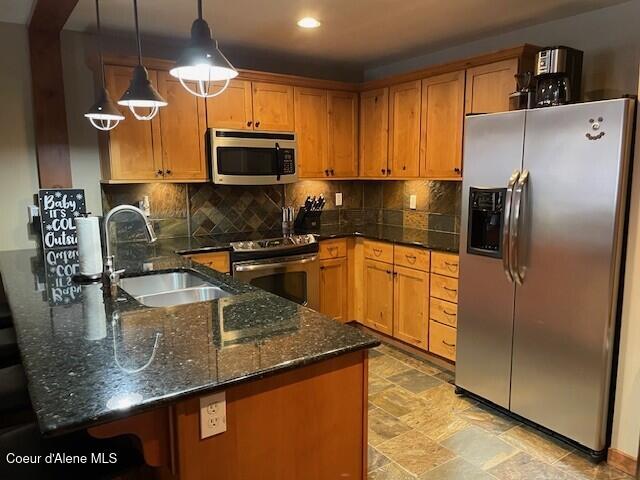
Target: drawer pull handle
x=377, y=252
x=332, y=249
x=451, y=266
x=448, y=313
x=454, y=290
x=450, y=345
x=411, y=258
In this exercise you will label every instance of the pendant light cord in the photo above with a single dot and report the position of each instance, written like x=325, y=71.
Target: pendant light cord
x=100, y=55
x=200, y=9
x=135, y=14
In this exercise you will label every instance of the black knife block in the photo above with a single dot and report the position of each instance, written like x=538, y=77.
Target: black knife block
x=307, y=221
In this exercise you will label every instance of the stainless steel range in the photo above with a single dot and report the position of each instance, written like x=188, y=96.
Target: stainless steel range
x=286, y=266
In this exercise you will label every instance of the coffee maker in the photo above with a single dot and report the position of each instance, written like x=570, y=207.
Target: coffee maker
x=558, y=73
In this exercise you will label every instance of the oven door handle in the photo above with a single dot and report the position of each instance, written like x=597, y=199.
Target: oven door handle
x=268, y=266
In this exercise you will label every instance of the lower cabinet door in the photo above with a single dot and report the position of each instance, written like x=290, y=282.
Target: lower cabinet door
x=333, y=288
x=378, y=296
x=411, y=306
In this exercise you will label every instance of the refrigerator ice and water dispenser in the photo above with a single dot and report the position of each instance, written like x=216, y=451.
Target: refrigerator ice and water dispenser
x=486, y=218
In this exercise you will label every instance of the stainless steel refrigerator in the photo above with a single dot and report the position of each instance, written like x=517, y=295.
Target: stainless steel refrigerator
x=544, y=196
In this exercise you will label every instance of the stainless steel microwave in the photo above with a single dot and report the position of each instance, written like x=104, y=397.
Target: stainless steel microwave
x=240, y=157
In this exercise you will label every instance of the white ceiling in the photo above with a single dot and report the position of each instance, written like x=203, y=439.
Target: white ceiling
x=356, y=32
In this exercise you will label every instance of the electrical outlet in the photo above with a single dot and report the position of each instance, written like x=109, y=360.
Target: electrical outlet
x=338, y=199
x=213, y=415
x=412, y=202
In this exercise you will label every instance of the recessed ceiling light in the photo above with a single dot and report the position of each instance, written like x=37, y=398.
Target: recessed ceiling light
x=308, y=22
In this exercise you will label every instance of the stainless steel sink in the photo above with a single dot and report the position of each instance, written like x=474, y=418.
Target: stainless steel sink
x=173, y=288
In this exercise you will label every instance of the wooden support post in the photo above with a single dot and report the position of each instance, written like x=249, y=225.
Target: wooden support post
x=52, y=140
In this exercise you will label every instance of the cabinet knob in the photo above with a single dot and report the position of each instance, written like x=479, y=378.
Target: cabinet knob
x=249, y=123
x=332, y=172
x=159, y=173
x=382, y=170
x=388, y=171
x=404, y=167
x=168, y=172
x=457, y=170
x=257, y=124
x=326, y=173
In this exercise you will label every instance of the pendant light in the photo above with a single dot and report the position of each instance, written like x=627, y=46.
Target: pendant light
x=141, y=93
x=104, y=114
x=202, y=62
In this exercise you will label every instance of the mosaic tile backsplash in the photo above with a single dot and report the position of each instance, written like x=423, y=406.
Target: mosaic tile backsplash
x=206, y=209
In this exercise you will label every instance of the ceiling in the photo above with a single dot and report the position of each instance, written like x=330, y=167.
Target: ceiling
x=354, y=32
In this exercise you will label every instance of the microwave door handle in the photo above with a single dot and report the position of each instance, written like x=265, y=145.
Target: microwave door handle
x=506, y=225
x=278, y=162
x=269, y=266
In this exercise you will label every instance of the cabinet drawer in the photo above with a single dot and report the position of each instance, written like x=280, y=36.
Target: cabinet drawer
x=217, y=261
x=442, y=340
x=445, y=264
x=444, y=288
x=411, y=257
x=380, y=251
x=443, y=312
x=333, y=248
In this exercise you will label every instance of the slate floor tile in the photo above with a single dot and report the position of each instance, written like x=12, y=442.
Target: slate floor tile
x=456, y=469
x=479, y=447
x=375, y=459
x=525, y=467
x=396, y=401
x=536, y=444
x=390, y=472
x=414, y=380
x=415, y=452
x=385, y=366
x=383, y=426
x=582, y=468
x=488, y=419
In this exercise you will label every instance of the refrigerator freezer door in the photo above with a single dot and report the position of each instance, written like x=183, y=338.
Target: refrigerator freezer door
x=492, y=152
x=569, y=256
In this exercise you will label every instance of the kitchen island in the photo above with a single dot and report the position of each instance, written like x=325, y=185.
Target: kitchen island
x=295, y=382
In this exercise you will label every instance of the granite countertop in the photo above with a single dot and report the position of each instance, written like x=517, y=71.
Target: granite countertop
x=433, y=240
x=91, y=358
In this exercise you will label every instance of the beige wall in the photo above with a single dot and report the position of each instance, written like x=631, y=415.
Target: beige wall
x=18, y=170
x=610, y=38
x=626, y=424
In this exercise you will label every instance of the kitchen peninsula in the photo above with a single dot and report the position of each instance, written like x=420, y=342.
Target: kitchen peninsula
x=292, y=378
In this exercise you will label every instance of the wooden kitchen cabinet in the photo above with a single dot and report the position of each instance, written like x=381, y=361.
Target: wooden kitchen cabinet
x=170, y=147
x=343, y=133
x=404, y=130
x=233, y=108
x=441, y=126
x=411, y=306
x=132, y=150
x=218, y=261
x=378, y=296
x=182, y=130
x=334, y=288
x=273, y=108
x=374, y=133
x=488, y=86
x=311, y=131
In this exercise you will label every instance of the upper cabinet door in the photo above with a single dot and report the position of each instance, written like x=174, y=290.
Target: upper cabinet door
x=134, y=152
x=404, y=129
x=442, y=121
x=343, y=133
x=311, y=131
x=232, y=108
x=374, y=132
x=489, y=86
x=273, y=107
x=182, y=127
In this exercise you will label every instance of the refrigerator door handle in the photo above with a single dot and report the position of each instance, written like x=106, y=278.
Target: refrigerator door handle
x=506, y=235
x=514, y=234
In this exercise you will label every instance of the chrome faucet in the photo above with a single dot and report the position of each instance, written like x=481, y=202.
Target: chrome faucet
x=109, y=272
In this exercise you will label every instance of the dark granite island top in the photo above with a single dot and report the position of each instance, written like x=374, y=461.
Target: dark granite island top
x=91, y=359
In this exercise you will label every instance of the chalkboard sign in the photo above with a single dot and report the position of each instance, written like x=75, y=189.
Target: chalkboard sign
x=58, y=210
x=60, y=267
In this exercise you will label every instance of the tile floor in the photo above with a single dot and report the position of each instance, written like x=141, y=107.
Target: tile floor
x=420, y=429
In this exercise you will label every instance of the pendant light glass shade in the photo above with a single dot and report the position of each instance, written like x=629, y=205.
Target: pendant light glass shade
x=202, y=62
x=104, y=114
x=141, y=94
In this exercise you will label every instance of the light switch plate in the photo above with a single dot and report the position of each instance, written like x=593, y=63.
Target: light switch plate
x=338, y=199
x=412, y=202
x=33, y=211
x=213, y=415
